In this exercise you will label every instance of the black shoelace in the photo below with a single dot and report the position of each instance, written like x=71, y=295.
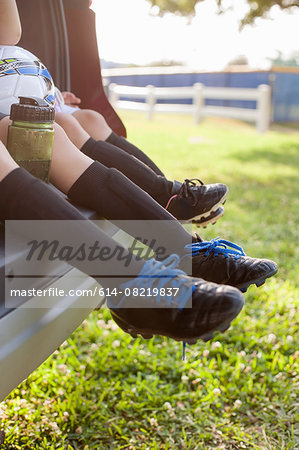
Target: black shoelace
x=187, y=191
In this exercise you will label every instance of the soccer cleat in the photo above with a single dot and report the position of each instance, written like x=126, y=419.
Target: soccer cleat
x=196, y=311
x=212, y=218
x=223, y=262
x=191, y=200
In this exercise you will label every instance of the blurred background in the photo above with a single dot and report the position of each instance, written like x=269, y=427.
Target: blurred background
x=217, y=43
x=133, y=33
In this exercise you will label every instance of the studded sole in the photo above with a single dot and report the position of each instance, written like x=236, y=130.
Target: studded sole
x=135, y=332
x=258, y=282
x=208, y=213
x=212, y=220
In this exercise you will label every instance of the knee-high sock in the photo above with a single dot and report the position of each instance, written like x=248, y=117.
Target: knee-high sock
x=128, y=147
x=114, y=157
x=23, y=197
x=115, y=197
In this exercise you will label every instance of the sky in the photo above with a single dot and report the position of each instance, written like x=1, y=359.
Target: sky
x=128, y=33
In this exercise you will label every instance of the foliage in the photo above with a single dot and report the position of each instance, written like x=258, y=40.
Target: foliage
x=239, y=60
x=257, y=8
x=291, y=61
x=165, y=63
x=104, y=390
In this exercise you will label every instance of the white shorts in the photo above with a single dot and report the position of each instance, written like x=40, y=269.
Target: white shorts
x=67, y=109
x=60, y=105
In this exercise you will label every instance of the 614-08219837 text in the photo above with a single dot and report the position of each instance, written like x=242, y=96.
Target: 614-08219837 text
x=97, y=291
x=140, y=292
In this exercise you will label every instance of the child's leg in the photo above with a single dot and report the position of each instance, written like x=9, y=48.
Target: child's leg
x=184, y=200
x=7, y=163
x=111, y=194
x=93, y=123
x=96, y=126
x=113, y=157
x=107, y=191
x=23, y=197
x=124, y=197
x=213, y=307
x=4, y=122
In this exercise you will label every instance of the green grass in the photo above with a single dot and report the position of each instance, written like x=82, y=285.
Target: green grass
x=104, y=390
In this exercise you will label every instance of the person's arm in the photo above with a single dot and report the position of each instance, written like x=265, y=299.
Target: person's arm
x=10, y=25
x=71, y=99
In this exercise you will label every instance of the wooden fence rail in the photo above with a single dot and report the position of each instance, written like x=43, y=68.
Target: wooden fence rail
x=198, y=93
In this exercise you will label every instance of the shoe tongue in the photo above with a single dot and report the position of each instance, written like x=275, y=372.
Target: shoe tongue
x=176, y=186
x=196, y=238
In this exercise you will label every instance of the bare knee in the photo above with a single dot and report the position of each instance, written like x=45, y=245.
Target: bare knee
x=94, y=123
x=7, y=164
x=73, y=129
x=87, y=115
x=68, y=163
x=62, y=143
x=65, y=120
x=59, y=132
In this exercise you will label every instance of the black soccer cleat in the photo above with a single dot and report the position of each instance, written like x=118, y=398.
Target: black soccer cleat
x=196, y=311
x=223, y=262
x=191, y=200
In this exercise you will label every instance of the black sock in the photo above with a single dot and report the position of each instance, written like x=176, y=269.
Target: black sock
x=115, y=197
x=114, y=157
x=23, y=197
x=123, y=143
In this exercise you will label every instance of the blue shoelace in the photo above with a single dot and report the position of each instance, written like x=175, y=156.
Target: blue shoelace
x=217, y=247
x=156, y=274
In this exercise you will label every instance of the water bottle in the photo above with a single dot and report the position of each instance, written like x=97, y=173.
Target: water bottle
x=30, y=136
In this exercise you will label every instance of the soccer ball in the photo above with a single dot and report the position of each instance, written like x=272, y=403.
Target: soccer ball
x=23, y=74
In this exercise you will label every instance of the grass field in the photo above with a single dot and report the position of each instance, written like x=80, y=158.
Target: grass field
x=104, y=390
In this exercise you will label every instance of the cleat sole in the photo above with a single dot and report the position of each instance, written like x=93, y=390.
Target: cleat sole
x=191, y=341
x=258, y=282
x=207, y=337
x=213, y=209
x=135, y=332
x=147, y=336
x=211, y=220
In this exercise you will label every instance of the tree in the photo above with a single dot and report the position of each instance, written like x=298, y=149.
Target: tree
x=239, y=60
x=291, y=60
x=257, y=8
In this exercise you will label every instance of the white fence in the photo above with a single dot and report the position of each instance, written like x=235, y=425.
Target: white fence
x=198, y=93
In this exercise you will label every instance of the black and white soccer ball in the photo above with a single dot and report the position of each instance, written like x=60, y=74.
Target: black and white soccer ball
x=23, y=74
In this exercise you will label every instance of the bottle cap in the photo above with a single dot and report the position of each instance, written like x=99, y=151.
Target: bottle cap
x=32, y=109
